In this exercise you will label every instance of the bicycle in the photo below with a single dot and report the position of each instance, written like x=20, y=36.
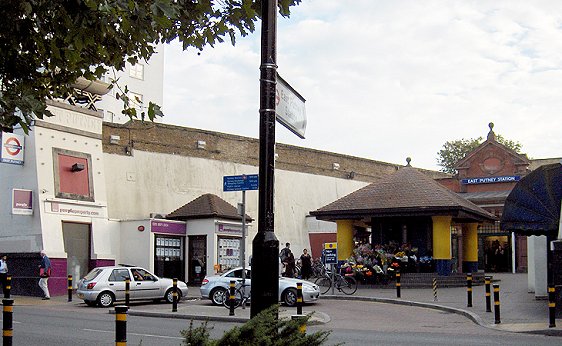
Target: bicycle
x=345, y=284
x=241, y=297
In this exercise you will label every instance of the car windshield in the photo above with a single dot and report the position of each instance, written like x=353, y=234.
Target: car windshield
x=93, y=274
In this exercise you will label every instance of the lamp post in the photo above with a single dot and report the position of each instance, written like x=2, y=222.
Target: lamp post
x=265, y=246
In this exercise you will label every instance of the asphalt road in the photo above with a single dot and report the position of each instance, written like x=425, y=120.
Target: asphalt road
x=354, y=323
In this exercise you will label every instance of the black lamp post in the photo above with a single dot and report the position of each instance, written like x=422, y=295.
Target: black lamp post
x=265, y=246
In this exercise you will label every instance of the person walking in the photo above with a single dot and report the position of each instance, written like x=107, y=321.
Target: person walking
x=283, y=256
x=4, y=274
x=290, y=266
x=45, y=273
x=306, y=265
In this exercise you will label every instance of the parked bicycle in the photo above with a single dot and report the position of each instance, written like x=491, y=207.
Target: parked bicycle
x=345, y=284
x=241, y=295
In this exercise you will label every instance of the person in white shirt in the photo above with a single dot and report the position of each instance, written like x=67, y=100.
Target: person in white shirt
x=4, y=273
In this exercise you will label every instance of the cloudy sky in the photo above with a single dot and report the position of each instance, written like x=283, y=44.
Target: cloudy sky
x=386, y=80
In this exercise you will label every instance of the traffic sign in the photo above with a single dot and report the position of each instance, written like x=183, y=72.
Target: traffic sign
x=240, y=182
x=331, y=253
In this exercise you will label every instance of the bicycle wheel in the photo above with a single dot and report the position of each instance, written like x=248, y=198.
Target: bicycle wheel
x=324, y=283
x=237, y=299
x=347, y=284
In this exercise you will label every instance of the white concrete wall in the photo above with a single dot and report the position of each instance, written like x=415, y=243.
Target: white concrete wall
x=137, y=247
x=152, y=182
x=20, y=233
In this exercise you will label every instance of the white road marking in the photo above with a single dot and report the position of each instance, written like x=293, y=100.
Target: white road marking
x=137, y=334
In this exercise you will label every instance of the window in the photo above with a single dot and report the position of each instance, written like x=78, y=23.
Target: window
x=119, y=275
x=137, y=71
x=73, y=175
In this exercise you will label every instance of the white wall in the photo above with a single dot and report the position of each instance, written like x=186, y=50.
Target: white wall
x=537, y=274
x=136, y=247
x=153, y=182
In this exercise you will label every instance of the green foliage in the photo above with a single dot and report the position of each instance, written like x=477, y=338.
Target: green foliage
x=454, y=151
x=46, y=45
x=265, y=329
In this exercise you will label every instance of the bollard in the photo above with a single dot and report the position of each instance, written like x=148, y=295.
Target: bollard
x=121, y=325
x=497, y=304
x=302, y=326
x=175, y=295
x=8, y=288
x=7, y=317
x=487, y=281
x=299, y=298
x=231, y=297
x=127, y=291
x=398, y=284
x=551, y=306
x=70, y=288
x=434, y=289
x=469, y=290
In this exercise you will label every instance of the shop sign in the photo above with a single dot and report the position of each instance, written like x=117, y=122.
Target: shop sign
x=331, y=253
x=290, y=110
x=229, y=229
x=12, y=148
x=168, y=227
x=22, y=202
x=490, y=180
x=76, y=210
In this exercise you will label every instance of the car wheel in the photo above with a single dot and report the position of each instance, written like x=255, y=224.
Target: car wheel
x=106, y=299
x=290, y=297
x=169, y=297
x=218, y=295
x=90, y=303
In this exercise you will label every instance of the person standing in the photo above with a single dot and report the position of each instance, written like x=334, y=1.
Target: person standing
x=306, y=265
x=283, y=256
x=4, y=273
x=45, y=273
x=290, y=266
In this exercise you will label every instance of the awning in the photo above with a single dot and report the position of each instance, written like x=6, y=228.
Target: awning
x=533, y=206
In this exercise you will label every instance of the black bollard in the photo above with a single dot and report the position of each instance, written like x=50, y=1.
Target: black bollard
x=7, y=324
x=175, y=295
x=487, y=281
x=121, y=325
x=231, y=297
x=551, y=306
x=127, y=291
x=497, y=304
x=398, y=283
x=299, y=298
x=70, y=288
x=8, y=288
x=469, y=290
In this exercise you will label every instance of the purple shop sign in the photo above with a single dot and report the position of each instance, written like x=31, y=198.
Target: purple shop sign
x=159, y=226
x=22, y=202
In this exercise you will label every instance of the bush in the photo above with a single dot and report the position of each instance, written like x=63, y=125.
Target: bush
x=264, y=329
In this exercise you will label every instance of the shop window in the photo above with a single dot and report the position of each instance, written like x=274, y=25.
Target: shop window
x=73, y=175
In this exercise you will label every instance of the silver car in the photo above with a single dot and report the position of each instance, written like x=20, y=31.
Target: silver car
x=215, y=287
x=104, y=285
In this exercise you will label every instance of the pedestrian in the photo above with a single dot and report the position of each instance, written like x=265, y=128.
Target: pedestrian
x=283, y=256
x=45, y=273
x=290, y=266
x=4, y=274
x=306, y=265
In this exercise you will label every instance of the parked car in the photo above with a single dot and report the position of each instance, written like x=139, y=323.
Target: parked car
x=104, y=285
x=215, y=287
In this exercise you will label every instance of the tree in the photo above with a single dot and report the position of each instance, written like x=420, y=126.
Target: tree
x=454, y=151
x=46, y=45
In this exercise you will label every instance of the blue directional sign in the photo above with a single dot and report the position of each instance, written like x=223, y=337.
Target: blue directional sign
x=240, y=182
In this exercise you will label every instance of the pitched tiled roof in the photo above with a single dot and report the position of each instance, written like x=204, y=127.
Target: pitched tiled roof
x=207, y=206
x=407, y=192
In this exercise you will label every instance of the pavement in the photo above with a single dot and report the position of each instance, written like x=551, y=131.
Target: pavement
x=520, y=311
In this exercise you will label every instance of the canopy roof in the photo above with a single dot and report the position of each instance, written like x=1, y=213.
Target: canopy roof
x=207, y=206
x=408, y=192
x=533, y=206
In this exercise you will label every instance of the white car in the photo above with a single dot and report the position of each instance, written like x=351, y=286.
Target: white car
x=215, y=287
x=104, y=285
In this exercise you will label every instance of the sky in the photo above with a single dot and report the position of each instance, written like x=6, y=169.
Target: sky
x=386, y=80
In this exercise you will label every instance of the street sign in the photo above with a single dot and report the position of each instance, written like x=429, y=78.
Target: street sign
x=289, y=108
x=240, y=182
x=331, y=253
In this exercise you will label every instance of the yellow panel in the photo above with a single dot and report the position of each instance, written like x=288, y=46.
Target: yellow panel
x=345, y=239
x=441, y=237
